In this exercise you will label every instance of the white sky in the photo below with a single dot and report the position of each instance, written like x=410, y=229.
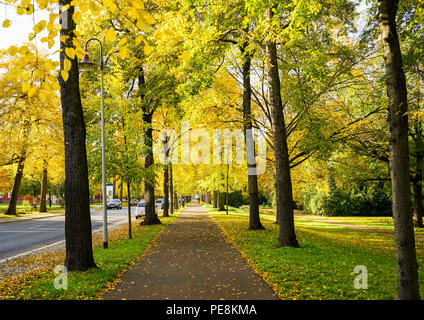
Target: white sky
x=21, y=27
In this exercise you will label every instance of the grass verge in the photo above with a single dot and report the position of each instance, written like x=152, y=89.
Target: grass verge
x=323, y=267
x=121, y=254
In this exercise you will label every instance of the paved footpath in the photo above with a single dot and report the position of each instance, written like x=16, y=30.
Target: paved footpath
x=191, y=259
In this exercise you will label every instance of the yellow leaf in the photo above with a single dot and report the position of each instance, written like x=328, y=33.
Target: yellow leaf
x=7, y=23
x=70, y=52
x=158, y=35
x=185, y=56
x=77, y=17
x=110, y=35
x=122, y=42
x=32, y=91
x=51, y=43
x=123, y=52
x=93, y=7
x=138, y=40
x=146, y=16
x=110, y=4
x=67, y=65
x=25, y=87
x=147, y=49
x=64, y=74
x=40, y=26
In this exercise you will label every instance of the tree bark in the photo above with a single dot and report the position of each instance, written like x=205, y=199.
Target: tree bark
x=11, y=209
x=215, y=199
x=407, y=266
x=78, y=236
x=252, y=179
x=287, y=236
x=208, y=197
x=165, y=192
x=171, y=188
x=43, y=200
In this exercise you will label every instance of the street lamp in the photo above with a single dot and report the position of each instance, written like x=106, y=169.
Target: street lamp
x=85, y=62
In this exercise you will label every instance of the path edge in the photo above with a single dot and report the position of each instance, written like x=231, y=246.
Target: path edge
x=247, y=259
x=112, y=285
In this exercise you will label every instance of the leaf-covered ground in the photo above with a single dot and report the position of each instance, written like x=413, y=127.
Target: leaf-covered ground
x=323, y=267
x=34, y=278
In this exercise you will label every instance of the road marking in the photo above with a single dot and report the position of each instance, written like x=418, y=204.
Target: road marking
x=41, y=225
x=55, y=243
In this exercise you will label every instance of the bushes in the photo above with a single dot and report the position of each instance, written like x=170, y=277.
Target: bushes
x=372, y=200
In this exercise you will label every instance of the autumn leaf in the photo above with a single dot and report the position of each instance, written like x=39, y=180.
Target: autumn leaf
x=6, y=23
x=110, y=35
x=123, y=52
x=70, y=52
x=64, y=74
x=40, y=26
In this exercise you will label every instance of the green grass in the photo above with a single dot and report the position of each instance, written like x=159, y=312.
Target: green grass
x=24, y=211
x=121, y=253
x=322, y=268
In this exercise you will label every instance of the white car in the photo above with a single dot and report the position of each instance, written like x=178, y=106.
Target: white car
x=140, y=211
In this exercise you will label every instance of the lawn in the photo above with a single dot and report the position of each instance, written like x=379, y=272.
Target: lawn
x=121, y=254
x=323, y=266
x=29, y=210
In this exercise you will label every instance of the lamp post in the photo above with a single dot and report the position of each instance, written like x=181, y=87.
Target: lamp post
x=85, y=62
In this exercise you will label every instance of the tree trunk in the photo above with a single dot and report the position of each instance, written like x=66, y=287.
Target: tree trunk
x=287, y=236
x=407, y=267
x=418, y=203
x=165, y=192
x=149, y=188
x=43, y=200
x=417, y=182
x=175, y=200
x=215, y=199
x=129, y=210
x=78, y=236
x=221, y=201
x=114, y=188
x=11, y=209
x=208, y=197
x=252, y=179
x=171, y=188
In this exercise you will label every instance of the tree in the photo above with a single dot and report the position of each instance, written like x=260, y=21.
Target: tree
x=407, y=266
x=79, y=253
x=287, y=235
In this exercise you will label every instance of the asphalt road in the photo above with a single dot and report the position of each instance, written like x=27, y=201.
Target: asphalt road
x=23, y=236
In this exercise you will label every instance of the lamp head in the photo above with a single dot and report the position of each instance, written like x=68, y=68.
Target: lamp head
x=86, y=63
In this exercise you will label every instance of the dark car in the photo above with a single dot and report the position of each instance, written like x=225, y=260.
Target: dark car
x=114, y=203
x=133, y=202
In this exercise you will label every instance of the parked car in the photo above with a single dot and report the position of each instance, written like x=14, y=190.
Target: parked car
x=133, y=202
x=140, y=211
x=114, y=203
